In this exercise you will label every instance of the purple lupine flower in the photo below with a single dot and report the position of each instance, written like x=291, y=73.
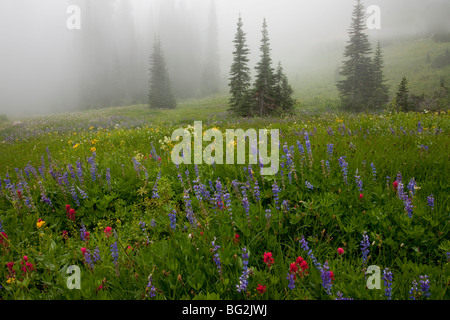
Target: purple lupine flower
x=72, y=171
x=96, y=254
x=407, y=201
x=285, y=205
x=268, y=215
x=1, y=226
x=365, y=247
x=150, y=285
x=430, y=201
x=306, y=248
x=413, y=291
x=424, y=284
x=387, y=277
x=243, y=282
x=257, y=192
x=79, y=171
x=330, y=147
x=290, y=277
x=309, y=185
x=359, y=182
x=74, y=195
x=343, y=164
x=93, y=169
x=83, y=232
x=326, y=278
x=155, y=186
x=88, y=259
x=276, y=191
x=108, y=177
x=217, y=258
x=83, y=194
x=412, y=187
x=114, y=252
x=173, y=219
x=218, y=202
x=374, y=172
x=340, y=296
x=189, y=211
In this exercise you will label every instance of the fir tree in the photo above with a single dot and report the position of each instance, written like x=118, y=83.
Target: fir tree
x=240, y=78
x=283, y=91
x=380, y=89
x=402, y=96
x=263, y=91
x=211, y=71
x=161, y=96
x=356, y=87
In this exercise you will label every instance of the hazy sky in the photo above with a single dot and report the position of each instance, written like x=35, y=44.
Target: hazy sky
x=38, y=69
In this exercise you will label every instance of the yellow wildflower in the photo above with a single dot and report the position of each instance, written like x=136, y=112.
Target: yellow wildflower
x=40, y=223
x=76, y=146
x=93, y=149
x=11, y=280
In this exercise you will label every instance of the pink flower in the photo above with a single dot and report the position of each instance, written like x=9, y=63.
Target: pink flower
x=340, y=251
x=83, y=250
x=261, y=289
x=108, y=231
x=361, y=196
x=25, y=258
x=268, y=259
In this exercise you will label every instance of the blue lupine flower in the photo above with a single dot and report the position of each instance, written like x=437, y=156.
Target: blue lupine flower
x=88, y=259
x=1, y=226
x=387, y=277
x=96, y=254
x=407, y=201
x=306, y=248
x=424, y=286
x=413, y=291
x=309, y=185
x=79, y=171
x=256, y=191
x=173, y=219
x=365, y=247
x=189, y=211
x=114, y=252
x=340, y=296
x=330, y=150
x=83, y=232
x=374, y=172
x=155, y=187
x=326, y=278
x=74, y=195
x=243, y=282
x=412, y=187
x=359, y=182
x=290, y=277
x=108, y=177
x=93, y=169
x=276, y=191
x=150, y=285
x=430, y=201
x=217, y=257
x=343, y=164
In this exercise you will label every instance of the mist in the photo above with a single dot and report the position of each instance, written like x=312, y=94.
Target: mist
x=47, y=68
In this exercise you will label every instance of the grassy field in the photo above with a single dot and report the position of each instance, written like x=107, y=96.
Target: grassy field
x=113, y=168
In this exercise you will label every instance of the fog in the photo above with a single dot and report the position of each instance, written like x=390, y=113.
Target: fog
x=46, y=68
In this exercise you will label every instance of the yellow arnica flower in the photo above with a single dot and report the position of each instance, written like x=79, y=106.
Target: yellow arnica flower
x=76, y=146
x=11, y=280
x=40, y=224
x=93, y=149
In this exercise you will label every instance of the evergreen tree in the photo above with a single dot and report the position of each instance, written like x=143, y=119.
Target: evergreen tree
x=211, y=69
x=402, y=96
x=283, y=91
x=356, y=87
x=240, y=78
x=380, y=89
x=161, y=96
x=263, y=91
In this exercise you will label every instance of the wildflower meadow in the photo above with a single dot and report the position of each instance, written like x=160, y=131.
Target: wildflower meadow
x=93, y=208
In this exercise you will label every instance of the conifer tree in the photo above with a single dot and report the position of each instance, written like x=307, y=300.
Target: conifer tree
x=211, y=69
x=239, y=81
x=161, y=96
x=263, y=91
x=402, y=96
x=356, y=87
x=283, y=91
x=380, y=89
